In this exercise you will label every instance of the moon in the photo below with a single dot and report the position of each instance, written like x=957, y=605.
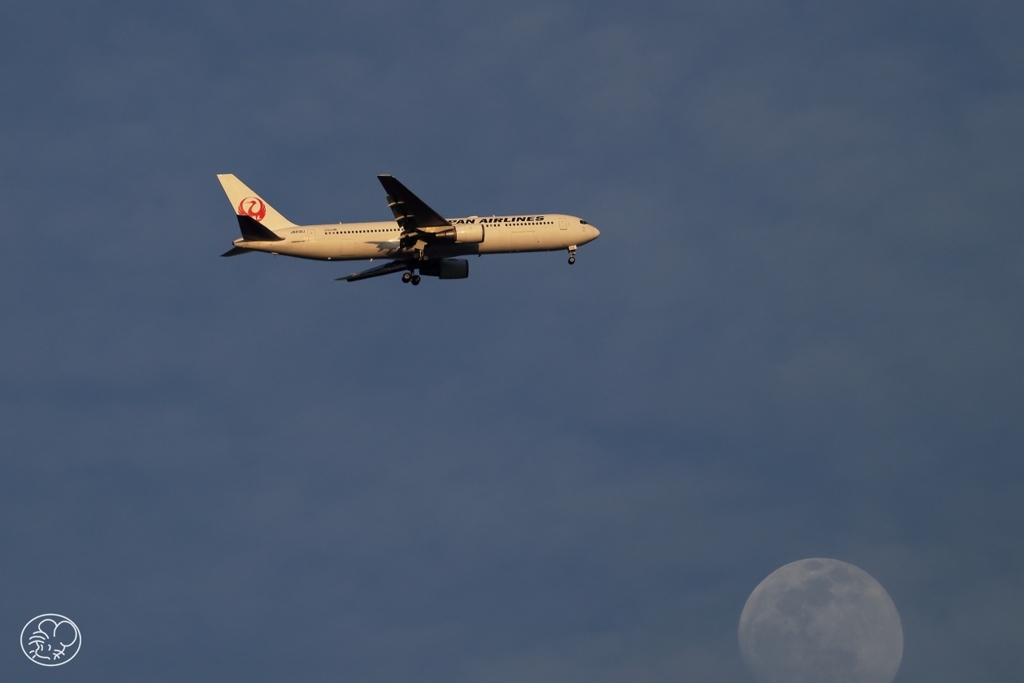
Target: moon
x=819, y=620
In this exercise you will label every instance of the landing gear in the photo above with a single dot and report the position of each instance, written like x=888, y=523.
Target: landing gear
x=572, y=254
x=406, y=276
x=572, y=260
x=415, y=279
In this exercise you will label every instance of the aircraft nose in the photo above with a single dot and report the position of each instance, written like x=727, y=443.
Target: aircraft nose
x=592, y=233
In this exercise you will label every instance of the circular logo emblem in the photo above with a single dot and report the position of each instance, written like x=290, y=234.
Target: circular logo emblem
x=50, y=640
x=252, y=207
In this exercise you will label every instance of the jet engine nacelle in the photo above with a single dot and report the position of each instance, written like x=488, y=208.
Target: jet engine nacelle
x=469, y=233
x=447, y=269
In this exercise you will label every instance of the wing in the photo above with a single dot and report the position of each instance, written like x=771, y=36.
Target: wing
x=411, y=213
x=377, y=271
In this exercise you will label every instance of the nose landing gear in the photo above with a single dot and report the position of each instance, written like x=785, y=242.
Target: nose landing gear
x=572, y=254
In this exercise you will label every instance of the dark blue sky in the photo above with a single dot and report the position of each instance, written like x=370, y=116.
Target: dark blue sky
x=800, y=335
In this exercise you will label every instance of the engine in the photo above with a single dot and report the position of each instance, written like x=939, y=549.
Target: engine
x=471, y=233
x=447, y=269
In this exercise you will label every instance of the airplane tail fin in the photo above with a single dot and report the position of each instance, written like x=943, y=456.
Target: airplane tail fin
x=251, y=207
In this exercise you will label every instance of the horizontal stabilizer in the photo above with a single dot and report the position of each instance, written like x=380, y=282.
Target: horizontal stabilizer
x=254, y=232
x=236, y=251
x=386, y=269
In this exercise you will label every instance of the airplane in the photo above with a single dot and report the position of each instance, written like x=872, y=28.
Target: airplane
x=417, y=242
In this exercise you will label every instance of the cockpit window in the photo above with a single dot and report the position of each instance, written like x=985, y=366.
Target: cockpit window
x=583, y=221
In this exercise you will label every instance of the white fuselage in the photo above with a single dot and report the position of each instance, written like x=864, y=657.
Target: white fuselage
x=360, y=241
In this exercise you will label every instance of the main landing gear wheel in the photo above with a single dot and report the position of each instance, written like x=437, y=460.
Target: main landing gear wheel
x=415, y=279
x=406, y=277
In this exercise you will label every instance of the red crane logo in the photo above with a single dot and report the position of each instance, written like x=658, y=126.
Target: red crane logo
x=252, y=207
